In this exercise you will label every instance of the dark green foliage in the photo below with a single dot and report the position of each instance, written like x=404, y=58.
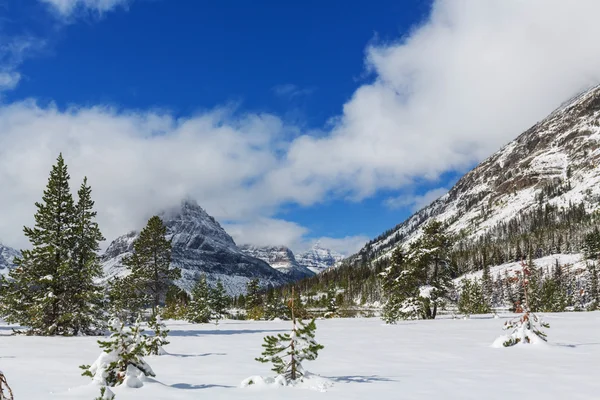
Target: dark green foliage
x=400, y=282
x=199, y=308
x=85, y=296
x=219, y=301
x=52, y=289
x=154, y=344
x=150, y=263
x=275, y=306
x=126, y=298
x=123, y=349
x=287, y=351
x=472, y=300
x=253, y=301
x=331, y=300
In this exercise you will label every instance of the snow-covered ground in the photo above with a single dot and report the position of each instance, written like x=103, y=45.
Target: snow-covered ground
x=441, y=359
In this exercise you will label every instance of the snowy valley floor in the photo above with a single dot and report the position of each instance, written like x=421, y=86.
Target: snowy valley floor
x=365, y=359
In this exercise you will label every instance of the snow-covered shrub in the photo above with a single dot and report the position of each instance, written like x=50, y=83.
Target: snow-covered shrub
x=525, y=329
x=154, y=344
x=105, y=394
x=122, y=358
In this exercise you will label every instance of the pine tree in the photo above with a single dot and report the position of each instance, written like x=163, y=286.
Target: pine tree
x=275, y=306
x=431, y=254
x=121, y=361
x=218, y=302
x=400, y=283
x=154, y=344
x=287, y=351
x=593, y=288
x=83, y=295
x=150, y=263
x=254, y=309
x=471, y=300
x=199, y=310
x=35, y=294
x=331, y=299
x=126, y=298
x=487, y=285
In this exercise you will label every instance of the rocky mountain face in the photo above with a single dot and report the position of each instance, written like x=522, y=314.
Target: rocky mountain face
x=200, y=246
x=281, y=258
x=555, y=163
x=7, y=256
x=318, y=259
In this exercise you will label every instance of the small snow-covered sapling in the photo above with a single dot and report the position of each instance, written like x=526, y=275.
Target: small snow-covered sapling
x=154, y=344
x=122, y=358
x=287, y=351
x=527, y=328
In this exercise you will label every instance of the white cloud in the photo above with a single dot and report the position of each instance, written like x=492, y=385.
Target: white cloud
x=415, y=202
x=9, y=80
x=290, y=91
x=67, y=8
x=275, y=232
x=267, y=232
x=468, y=80
x=451, y=92
x=346, y=246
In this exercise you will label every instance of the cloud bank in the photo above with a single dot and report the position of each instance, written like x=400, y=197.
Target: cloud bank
x=67, y=8
x=443, y=97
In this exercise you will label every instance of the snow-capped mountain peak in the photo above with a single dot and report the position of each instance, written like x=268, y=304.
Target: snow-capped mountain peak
x=319, y=258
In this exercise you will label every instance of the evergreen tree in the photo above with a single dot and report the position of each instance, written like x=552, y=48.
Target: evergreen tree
x=431, y=254
x=83, y=295
x=176, y=303
x=35, y=295
x=154, y=344
x=487, y=285
x=287, y=351
x=253, y=305
x=471, y=300
x=331, y=300
x=275, y=306
x=126, y=298
x=593, y=288
x=150, y=263
x=400, y=283
x=218, y=302
x=122, y=358
x=199, y=309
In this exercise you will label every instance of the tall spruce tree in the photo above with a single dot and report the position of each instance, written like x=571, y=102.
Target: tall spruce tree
x=199, y=311
x=83, y=295
x=400, y=283
x=431, y=254
x=218, y=302
x=35, y=293
x=150, y=263
x=254, y=304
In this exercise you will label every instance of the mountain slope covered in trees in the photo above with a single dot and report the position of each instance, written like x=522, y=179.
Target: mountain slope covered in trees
x=537, y=196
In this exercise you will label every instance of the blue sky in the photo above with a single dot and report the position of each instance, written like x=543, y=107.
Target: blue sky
x=289, y=121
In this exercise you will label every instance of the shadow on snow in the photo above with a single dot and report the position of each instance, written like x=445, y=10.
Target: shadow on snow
x=223, y=332
x=360, y=379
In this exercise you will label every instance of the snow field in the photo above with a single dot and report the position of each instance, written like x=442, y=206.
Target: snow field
x=363, y=358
